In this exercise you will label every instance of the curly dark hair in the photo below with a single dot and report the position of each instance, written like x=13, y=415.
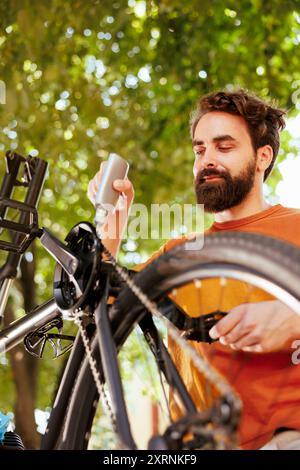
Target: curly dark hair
x=263, y=119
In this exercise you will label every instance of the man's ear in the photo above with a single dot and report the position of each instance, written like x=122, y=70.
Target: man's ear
x=264, y=158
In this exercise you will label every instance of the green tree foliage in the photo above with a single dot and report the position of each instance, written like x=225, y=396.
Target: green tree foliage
x=86, y=78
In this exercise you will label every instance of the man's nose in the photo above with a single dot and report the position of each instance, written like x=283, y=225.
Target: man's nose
x=207, y=160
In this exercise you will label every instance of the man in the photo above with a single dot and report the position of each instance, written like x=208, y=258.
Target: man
x=236, y=140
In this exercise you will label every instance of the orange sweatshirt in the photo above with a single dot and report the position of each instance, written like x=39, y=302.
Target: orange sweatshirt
x=268, y=384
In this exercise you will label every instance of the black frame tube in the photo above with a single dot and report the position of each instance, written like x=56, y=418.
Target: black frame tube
x=165, y=362
x=13, y=162
x=111, y=372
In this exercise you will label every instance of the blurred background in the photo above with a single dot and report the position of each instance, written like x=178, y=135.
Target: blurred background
x=82, y=79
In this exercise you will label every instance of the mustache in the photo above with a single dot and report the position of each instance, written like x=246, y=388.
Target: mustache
x=203, y=174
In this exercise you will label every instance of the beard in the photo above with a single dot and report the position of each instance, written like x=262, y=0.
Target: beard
x=228, y=192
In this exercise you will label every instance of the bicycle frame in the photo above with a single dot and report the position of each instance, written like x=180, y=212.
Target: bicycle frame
x=104, y=348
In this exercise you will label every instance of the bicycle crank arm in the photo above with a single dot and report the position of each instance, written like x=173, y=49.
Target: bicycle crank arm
x=63, y=255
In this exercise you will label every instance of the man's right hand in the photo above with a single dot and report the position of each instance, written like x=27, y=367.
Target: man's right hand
x=120, y=216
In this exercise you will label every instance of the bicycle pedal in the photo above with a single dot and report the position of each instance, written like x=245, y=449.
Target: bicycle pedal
x=200, y=327
x=199, y=336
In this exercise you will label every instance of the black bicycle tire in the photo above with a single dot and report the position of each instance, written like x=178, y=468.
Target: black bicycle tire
x=270, y=259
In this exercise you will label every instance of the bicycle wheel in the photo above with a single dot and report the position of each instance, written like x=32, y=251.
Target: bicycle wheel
x=263, y=262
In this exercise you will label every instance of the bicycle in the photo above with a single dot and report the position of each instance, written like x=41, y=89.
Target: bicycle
x=83, y=284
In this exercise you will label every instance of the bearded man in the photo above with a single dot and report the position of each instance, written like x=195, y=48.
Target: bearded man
x=235, y=138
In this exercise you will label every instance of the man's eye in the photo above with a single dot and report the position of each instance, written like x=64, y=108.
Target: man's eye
x=199, y=152
x=225, y=148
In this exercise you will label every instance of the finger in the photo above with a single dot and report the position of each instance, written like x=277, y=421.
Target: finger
x=95, y=182
x=248, y=340
x=224, y=326
x=237, y=333
x=102, y=168
x=122, y=203
x=122, y=186
x=98, y=176
x=257, y=348
x=90, y=192
x=234, y=346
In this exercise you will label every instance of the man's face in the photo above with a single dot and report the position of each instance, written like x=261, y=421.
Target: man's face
x=225, y=161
